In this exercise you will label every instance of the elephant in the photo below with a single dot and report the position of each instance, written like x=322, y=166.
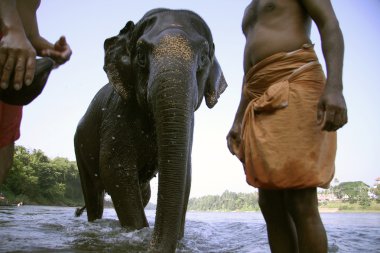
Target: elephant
x=141, y=123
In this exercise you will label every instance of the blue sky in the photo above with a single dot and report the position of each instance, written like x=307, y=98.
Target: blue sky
x=49, y=123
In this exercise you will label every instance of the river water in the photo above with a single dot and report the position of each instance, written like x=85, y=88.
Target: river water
x=55, y=229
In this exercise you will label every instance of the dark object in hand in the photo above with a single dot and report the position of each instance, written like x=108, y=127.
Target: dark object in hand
x=28, y=93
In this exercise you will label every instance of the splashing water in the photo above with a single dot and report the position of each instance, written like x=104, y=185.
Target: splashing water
x=55, y=229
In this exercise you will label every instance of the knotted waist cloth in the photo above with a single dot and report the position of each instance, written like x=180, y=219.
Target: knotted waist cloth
x=283, y=146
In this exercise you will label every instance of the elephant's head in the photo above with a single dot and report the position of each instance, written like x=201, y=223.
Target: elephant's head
x=162, y=33
x=166, y=64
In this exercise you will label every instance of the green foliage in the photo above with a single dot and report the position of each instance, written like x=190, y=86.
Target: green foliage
x=34, y=178
x=345, y=206
x=228, y=201
x=353, y=192
x=376, y=192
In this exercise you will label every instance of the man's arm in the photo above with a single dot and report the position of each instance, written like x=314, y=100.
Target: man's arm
x=29, y=22
x=22, y=41
x=234, y=135
x=16, y=52
x=60, y=52
x=332, y=111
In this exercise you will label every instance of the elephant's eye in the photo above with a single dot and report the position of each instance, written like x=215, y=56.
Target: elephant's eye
x=140, y=58
x=203, y=59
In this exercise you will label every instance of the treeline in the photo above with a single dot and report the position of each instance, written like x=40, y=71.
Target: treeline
x=36, y=179
x=351, y=193
x=355, y=193
x=228, y=201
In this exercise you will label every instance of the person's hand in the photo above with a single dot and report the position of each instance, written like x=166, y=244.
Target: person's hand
x=234, y=139
x=60, y=53
x=332, y=111
x=18, y=57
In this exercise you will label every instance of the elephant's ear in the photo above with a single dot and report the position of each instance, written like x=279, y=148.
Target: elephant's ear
x=216, y=84
x=117, y=61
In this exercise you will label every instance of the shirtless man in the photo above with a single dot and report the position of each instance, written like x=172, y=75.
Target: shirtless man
x=273, y=28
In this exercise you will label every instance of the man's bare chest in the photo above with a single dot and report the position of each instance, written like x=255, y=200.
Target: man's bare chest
x=257, y=10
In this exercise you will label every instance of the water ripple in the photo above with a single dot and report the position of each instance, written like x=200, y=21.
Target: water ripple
x=55, y=229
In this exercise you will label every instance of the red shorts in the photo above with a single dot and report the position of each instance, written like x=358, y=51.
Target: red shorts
x=10, y=120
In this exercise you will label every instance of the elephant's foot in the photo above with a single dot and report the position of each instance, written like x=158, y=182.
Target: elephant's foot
x=92, y=216
x=129, y=210
x=161, y=247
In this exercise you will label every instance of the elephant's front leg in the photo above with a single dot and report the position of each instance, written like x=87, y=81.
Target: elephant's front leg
x=120, y=177
x=146, y=193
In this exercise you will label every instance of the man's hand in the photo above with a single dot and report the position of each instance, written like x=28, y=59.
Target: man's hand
x=332, y=111
x=60, y=53
x=234, y=139
x=17, y=57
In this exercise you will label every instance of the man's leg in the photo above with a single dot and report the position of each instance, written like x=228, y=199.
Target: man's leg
x=6, y=161
x=303, y=207
x=281, y=231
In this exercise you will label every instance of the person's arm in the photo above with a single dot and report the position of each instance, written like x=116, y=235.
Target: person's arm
x=234, y=135
x=16, y=52
x=30, y=25
x=60, y=52
x=332, y=111
x=21, y=42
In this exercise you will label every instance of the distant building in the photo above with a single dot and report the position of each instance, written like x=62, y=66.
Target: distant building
x=377, y=183
x=323, y=197
x=376, y=187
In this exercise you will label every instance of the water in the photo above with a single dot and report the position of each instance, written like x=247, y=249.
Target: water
x=55, y=229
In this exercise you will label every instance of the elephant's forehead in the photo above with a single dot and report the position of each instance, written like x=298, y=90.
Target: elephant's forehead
x=173, y=46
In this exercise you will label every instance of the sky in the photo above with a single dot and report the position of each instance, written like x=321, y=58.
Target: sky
x=49, y=122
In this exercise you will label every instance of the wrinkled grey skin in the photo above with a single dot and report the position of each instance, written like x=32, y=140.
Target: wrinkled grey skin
x=142, y=122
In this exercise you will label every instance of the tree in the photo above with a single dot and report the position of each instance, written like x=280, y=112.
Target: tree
x=73, y=188
x=228, y=201
x=37, y=179
x=376, y=191
x=355, y=192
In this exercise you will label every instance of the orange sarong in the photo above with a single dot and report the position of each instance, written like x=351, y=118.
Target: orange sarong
x=283, y=147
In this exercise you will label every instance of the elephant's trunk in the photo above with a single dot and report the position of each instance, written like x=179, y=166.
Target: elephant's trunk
x=172, y=99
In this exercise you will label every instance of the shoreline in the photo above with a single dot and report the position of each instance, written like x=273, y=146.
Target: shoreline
x=321, y=209
x=336, y=210
x=328, y=210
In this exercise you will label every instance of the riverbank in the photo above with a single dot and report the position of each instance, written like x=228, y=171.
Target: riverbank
x=344, y=206
x=326, y=207
x=337, y=210
x=7, y=198
x=321, y=210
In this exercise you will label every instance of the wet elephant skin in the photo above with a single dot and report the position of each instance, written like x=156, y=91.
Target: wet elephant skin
x=141, y=123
